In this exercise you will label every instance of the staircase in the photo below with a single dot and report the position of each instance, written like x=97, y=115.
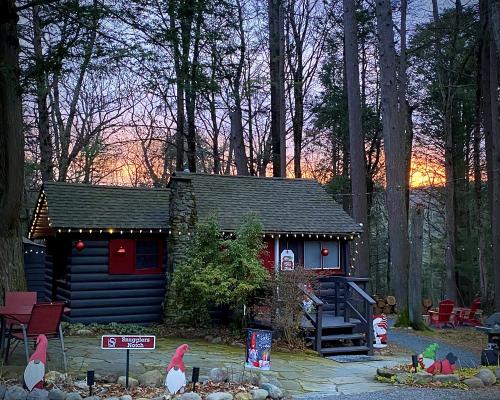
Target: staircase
x=341, y=320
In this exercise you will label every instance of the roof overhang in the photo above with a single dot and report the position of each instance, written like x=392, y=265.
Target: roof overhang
x=40, y=226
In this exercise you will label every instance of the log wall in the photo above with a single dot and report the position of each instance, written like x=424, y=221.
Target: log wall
x=95, y=296
x=34, y=268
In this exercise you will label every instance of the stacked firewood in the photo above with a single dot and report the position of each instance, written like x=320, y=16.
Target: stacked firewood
x=384, y=305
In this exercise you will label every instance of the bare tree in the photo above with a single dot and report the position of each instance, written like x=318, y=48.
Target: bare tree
x=42, y=91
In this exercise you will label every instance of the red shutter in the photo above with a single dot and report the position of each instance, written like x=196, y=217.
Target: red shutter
x=122, y=256
x=267, y=255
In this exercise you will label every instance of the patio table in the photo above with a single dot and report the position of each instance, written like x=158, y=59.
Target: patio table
x=20, y=314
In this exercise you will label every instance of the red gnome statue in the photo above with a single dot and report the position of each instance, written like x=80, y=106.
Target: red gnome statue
x=176, y=378
x=35, y=370
x=443, y=367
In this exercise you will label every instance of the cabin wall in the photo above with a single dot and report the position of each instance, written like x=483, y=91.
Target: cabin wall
x=34, y=269
x=94, y=295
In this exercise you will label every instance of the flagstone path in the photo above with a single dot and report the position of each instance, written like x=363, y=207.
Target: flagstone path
x=298, y=372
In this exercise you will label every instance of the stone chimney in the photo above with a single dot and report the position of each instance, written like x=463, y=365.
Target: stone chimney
x=183, y=218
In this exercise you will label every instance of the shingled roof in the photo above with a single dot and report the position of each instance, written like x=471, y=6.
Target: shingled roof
x=293, y=206
x=83, y=206
x=282, y=205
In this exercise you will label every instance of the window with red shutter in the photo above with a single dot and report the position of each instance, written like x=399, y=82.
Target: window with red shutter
x=131, y=256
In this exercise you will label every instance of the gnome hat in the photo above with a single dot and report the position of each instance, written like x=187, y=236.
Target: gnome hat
x=452, y=358
x=253, y=341
x=430, y=351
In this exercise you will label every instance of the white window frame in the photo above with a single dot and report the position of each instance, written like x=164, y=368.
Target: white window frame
x=338, y=267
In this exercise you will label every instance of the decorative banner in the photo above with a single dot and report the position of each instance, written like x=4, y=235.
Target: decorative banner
x=128, y=342
x=258, y=349
x=287, y=260
x=380, y=331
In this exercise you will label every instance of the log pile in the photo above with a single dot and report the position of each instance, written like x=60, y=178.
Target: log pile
x=426, y=305
x=384, y=305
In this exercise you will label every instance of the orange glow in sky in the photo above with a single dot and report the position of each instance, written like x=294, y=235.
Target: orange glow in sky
x=425, y=172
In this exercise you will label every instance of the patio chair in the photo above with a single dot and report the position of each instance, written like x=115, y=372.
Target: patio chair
x=16, y=299
x=444, y=315
x=45, y=320
x=468, y=316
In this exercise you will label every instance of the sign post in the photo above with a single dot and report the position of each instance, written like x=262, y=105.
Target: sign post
x=128, y=342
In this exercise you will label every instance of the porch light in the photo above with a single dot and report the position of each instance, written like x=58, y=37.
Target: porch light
x=121, y=250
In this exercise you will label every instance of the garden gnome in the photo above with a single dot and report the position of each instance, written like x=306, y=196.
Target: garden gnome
x=176, y=377
x=429, y=356
x=443, y=367
x=253, y=354
x=35, y=370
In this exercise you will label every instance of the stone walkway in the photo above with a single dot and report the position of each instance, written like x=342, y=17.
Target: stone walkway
x=298, y=372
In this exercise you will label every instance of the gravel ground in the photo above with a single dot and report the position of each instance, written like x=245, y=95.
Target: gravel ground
x=407, y=339
x=414, y=394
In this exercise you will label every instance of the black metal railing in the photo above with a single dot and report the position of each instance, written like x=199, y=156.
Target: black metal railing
x=357, y=303
x=317, y=322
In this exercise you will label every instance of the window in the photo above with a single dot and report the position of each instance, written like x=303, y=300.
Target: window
x=129, y=256
x=147, y=254
x=313, y=259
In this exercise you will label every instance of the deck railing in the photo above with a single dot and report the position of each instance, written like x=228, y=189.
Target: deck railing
x=317, y=322
x=357, y=304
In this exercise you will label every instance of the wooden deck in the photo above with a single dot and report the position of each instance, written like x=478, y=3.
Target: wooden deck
x=341, y=322
x=329, y=321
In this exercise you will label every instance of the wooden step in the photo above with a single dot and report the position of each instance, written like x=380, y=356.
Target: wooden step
x=343, y=336
x=345, y=349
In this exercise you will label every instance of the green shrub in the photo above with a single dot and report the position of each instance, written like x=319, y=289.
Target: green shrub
x=218, y=271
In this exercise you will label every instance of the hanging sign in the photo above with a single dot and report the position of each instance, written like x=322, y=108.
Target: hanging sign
x=287, y=260
x=258, y=349
x=134, y=342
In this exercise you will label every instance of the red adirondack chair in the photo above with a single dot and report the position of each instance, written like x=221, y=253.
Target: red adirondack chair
x=468, y=316
x=443, y=316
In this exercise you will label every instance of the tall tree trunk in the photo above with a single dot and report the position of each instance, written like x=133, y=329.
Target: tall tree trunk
x=495, y=130
x=356, y=137
x=11, y=154
x=415, y=275
x=482, y=75
x=394, y=149
x=240, y=157
x=277, y=73
x=44, y=137
x=495, y=24
x=451, y=284
x=404, y=109
x=192, y=91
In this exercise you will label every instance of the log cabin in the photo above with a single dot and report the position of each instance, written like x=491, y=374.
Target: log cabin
x=110, y=250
